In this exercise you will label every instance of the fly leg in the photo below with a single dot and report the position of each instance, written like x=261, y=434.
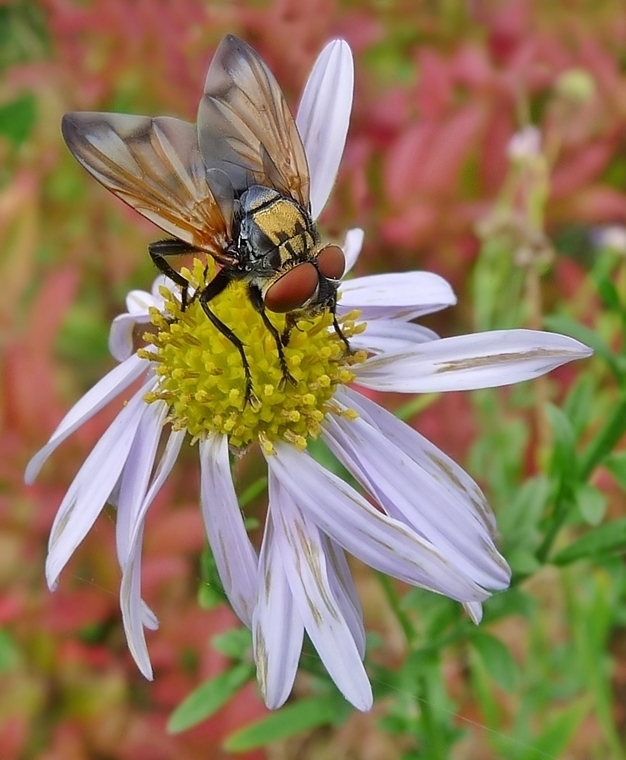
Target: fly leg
x=290, y=323
x=173, y=247
x=333, y=308
x=221, y=280
x=257, y=301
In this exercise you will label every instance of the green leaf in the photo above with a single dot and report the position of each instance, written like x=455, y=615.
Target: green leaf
x=605, y=439
x=234, y=643
x=591, y=503
x=497, y=659
x=564, y=457
x=293, y=719
x=514, y=601
x=415, y=406
x=560, y=730
x=208, y=597
x=578, y=405
x=616, y=464
x=208, y=698
x=585, y=335
x=252, y=491
x=523, y=562
x=608, y=293
x=597, y=544
x=17, y=118
x=9, y=652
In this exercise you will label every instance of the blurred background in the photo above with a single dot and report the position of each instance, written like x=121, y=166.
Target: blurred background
x=529, y=233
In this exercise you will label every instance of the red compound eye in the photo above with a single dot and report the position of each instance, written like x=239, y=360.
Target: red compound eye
x=293, y=289
x=331, y=262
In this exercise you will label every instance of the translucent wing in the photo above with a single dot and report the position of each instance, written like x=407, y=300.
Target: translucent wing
x=155, y=166
x=245, y=127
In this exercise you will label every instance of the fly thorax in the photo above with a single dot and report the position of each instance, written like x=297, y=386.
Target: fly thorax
x=274, y=231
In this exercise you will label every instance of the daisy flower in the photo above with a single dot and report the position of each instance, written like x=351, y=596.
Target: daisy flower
x=423, y=520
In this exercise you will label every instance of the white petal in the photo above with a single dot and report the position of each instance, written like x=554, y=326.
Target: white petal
x=466, y=362
x=323, y=118
x=133, y=611
x=442, y=468
x=111, y=385
x=402, y=295
x=92, y=485
x=352, y=245
x=378, y=540
x=138, y=302
x=342, y=585
x=277, y=629
x=234, y=555
x=475, y=611
x=149, y=619
x=136, y=476
x=121, y=334
x=383, y=335
x=304, y=560
x=410, y=494
x=162, y=281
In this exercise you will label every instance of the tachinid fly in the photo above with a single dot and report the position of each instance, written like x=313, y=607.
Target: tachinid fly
x=234, y=186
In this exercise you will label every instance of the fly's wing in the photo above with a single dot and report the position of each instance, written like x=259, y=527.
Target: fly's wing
x=155, y=166
x=245, y=127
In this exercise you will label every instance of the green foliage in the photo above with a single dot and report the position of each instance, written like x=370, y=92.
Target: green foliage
x=208, y=698
x=304, y=715
x=497, y=660
x=17, y=119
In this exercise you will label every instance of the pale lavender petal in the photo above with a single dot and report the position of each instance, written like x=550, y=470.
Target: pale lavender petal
x=384, y=335
x=304, y=561
x=475, y=611
x=133, y=610
x=148, y=618
x=323, y=118
x=344, y=591
x=121, y=345
x=92, y=486
x=111, y=385
x=277, y=629
x=129, y=535
x=410, y=494
x=136, y=476
x=166, y=463
x=467, y=362
x=139, y=302
x=378, y=540
x=352, y=245
x=402, y=295
x=234, y=555
x=441, y=467
x=162, y=281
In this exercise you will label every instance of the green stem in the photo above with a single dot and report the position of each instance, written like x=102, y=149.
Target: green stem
x=395, y=602
x=561, y=511
x=434, y=748
x=604, y=442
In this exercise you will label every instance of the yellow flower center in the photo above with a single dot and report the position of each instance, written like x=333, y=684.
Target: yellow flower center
x=202, y=379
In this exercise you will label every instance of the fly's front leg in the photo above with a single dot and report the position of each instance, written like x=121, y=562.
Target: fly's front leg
x=159, y=250
x=221, y=280
x=290, y=323
x=338, y=330
x=257, y=301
